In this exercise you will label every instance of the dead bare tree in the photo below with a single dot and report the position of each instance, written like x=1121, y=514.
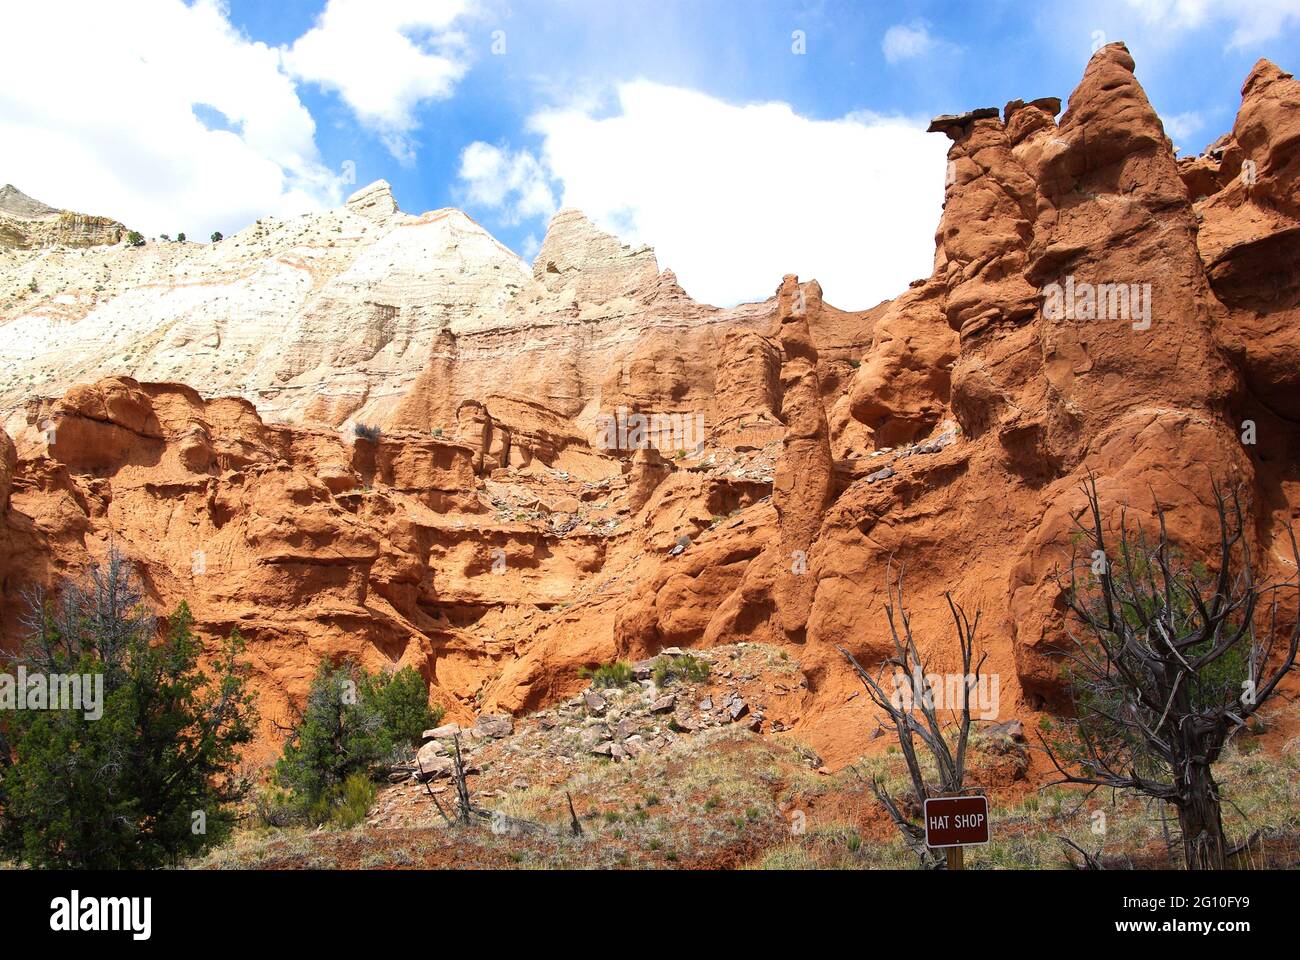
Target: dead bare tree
x=466, y=808
x=913, y=714
x=1168, y=662
x=1091, y=861
x=467, y=812
x=574, y=826
x=97, y=615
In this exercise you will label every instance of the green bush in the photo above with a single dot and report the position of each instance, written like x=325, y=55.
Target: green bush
x=347, y=804
x=686, y=668
x=367, y=431
x=617, y=674
x=402, y=701
x=352, y=723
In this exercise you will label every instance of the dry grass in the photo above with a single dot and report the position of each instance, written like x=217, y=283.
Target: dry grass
x=1262, y=793
x=726, y=798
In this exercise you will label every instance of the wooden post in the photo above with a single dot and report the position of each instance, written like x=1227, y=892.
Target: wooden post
x=956, y=858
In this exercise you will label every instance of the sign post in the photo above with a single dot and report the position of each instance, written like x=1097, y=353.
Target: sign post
x=952, y=823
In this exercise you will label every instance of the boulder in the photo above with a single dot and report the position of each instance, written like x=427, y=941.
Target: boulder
x=495, y=725
x=444, y=732
x=433, y=763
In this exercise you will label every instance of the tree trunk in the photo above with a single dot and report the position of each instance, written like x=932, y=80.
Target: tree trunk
x=1201, y=820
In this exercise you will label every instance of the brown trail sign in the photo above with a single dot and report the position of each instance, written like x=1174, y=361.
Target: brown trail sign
x=956, y=822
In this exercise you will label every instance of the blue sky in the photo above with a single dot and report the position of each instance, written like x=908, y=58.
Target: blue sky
x=741, y=139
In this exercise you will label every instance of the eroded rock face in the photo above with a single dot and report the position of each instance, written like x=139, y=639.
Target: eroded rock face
x=601, y=329
x=369, y=315
x=802, y=489
x=587, y=265
x=1148, y=402
x=244, y=521
x=1097, y=309
x=374, y=202
x=475, y=426
x=1249, y=236
x=8, y=465
x=903, y=388
x=391, y=548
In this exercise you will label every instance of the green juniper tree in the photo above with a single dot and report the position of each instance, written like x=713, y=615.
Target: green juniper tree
x=352, y=722
x=152, y=779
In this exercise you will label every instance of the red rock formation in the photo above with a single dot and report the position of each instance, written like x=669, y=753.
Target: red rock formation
x=1151, y=408
x=802, y=490
x=902, y=390
x=1249, y=238
x=748, y=401
x=1096, y=308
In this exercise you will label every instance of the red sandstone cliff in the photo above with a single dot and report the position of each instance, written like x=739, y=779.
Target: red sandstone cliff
x=486, y=539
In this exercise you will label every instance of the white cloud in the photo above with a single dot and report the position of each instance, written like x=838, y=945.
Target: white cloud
x=1260, y=20
x=383, y=58
x=733, y=197
x=1251, y=23
x=112, y=127
x=905, y=41
x=1183, y=126
x=513, y=183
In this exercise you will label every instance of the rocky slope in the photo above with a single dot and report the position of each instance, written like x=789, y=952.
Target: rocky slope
x=487, y=537
x=314, y=319
x=27, y=224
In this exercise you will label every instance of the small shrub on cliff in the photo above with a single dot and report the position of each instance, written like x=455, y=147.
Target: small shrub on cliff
x=367, y=432
x=618, y=674
x=140, y=773
x=352, y=723
x=273, y=807
x=216, y=236
x=135, y=238
x=686, y=667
